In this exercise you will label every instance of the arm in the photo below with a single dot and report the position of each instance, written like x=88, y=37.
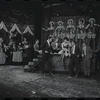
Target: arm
x=35, y=49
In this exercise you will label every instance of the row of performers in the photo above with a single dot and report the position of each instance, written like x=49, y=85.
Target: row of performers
x=69, y=49
x=80, y=32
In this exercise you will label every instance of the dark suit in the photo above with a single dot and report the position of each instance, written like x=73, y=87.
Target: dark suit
x=46, y=57
x=87, y=60
x=75, y=61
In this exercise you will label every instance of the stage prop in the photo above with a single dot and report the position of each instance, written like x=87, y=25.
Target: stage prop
x=15, y=27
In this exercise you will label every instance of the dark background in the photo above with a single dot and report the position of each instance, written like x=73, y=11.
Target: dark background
x=34, y=11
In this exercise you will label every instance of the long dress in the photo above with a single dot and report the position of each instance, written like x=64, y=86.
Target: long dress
x=2, y=54
x=17, y=56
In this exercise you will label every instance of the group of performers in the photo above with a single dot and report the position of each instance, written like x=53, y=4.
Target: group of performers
x=17, y=51
x=72, y=42
x=78, y=56
x=81, y=32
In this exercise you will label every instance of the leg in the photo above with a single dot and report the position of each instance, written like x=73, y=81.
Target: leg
x=44, y=59
x=71, y=66
x=84, y=66
x=88, y=67
x=49, y=64
x=77, y=65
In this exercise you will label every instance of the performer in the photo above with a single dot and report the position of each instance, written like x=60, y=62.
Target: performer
x=87, y=55
x=91, y=31
x=46, y=57
x=65, y=52
x=9, y=52
x=2, y=52
x=55, y=48
x=75, y=59
x=60, y=29
x=50, y=30
x=37, y=50
x=81, y=30
x=26, y=51
x=70, y=29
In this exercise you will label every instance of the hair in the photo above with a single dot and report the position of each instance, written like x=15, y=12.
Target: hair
x=36, y=40
x=66, y=39
x=49, y=37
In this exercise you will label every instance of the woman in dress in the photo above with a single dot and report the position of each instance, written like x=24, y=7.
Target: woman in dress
x=55, y=46
x=70, y=29
x=81, y=30
x=91, y=32
x=2, y=52
x=50, y=29
x=60, y=29
x=65, y=52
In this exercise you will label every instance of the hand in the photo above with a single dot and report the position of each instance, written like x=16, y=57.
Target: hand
x=82, y=55
x=46, y=51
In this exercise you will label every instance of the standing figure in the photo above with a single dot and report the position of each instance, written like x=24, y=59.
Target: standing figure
x=50, y=29
x=2, y=52
x=26, y=51
x=46, y=56
x=87, y=55
x=37, y=50
x=75, y=59
x=65, y=52
x=81, y=30
x=55, y=46
x=60, y=29
x=91, y=32
x=70, y=29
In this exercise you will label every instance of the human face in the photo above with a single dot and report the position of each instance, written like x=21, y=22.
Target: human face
x=84, y=44
x=70, y=22
x=92, y=22
x=73, y=43
x=65, y=41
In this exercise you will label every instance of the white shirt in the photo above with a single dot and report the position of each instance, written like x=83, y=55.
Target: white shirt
x=73, y=49
x=48, y=42
x=84, y=50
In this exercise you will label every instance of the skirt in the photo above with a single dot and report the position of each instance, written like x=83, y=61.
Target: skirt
x=2, y=58
x=17, y=56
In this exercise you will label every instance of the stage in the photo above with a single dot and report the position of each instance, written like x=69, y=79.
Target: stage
x=26, y=84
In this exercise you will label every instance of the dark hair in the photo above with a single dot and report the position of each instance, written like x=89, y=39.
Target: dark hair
x=66, y=39
x=36, y=40
x=49, y=37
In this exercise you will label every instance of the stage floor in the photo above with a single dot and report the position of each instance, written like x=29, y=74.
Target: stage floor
x=14, y=82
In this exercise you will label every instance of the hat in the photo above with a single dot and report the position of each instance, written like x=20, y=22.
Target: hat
x=60, y=22
x=70, y=20
x=92, y=19
x=51, y=22
x=82, y=19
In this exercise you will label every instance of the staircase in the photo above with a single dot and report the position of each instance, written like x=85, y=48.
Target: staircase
x=33, y=66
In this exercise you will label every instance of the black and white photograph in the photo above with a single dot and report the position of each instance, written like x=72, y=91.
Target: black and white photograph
x=50, y=48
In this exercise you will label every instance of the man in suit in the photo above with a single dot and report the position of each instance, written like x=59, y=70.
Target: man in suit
x=87, y=55
x=75, y=60
x=46, y=56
